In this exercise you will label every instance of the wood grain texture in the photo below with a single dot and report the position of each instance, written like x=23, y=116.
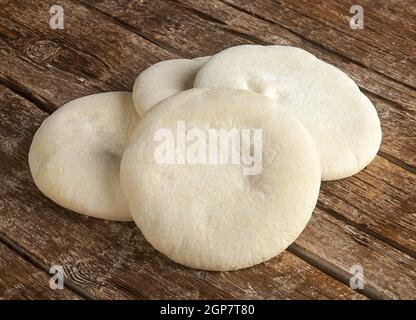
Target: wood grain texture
x=173, y=23
x=367, y=219
x=91, y=54
x=112, y=260
x=379, y=46
x=380, y=199
x=388, y=271
x=20, y=280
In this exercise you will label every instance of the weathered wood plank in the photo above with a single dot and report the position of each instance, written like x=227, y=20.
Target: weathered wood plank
x=213, y=26
x=113, y=260
x=398, y=129
x=400, y=18
x=326, y=23
x=55, y=65
x=389, y=31
x=171, y=24
x=388, y=271
x=380, y=199
x=21, y=280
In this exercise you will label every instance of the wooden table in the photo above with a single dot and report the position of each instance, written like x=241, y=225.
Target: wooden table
x=367, y=220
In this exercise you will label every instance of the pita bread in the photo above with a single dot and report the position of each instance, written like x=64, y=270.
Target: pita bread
x=214, y=216
x=163, y=80
x=75, y=154
x=342, y=120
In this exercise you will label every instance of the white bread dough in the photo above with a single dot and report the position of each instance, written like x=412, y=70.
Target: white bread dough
x=214, y=217
x=163, y=80
x=342, y=120
x=75, y=154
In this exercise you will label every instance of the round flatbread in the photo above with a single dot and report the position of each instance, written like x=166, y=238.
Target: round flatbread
x=75, y=154
x=163, y=80
x=216, y=215
x=342, y=120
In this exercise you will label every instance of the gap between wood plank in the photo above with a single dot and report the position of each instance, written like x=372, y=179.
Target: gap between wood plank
x=21, y=91
x=397, y=162
x=334, y=271
x=40, y=265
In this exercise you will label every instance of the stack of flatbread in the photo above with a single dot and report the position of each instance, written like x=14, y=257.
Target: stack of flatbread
x=218, y=160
